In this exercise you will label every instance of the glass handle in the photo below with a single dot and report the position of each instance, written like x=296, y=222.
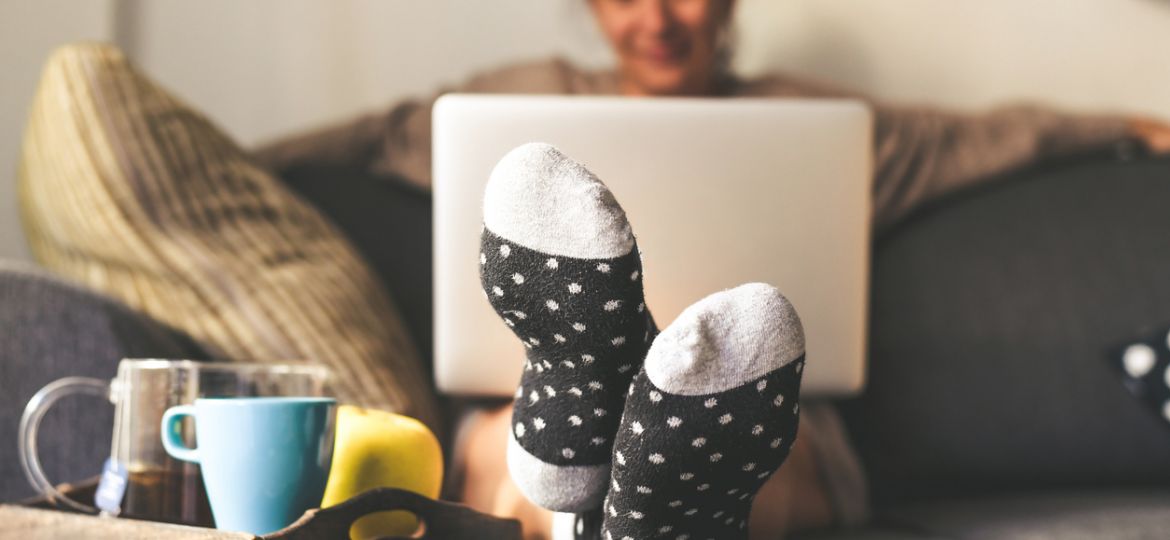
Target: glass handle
x=30, y=422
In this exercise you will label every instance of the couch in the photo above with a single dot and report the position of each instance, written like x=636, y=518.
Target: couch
x=991, y=411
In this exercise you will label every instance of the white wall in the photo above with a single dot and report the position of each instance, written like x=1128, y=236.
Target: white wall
x=1107, y=54
x=263, y=68
x=28, y=31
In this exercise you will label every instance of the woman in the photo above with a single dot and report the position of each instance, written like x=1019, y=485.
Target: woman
x=680, y=48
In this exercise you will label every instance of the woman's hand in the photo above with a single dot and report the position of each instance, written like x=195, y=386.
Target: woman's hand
x=1151, y=133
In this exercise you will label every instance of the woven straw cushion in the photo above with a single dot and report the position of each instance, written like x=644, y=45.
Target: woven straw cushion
x=132, y=192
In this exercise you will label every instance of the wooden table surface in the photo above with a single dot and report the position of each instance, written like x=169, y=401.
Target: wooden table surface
x=20, y=523
x=441, y=519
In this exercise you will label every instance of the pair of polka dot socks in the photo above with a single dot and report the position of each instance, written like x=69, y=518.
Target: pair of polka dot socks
x=668, y=435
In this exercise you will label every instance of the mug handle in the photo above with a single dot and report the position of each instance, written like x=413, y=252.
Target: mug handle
x=172, y=439
x=30, y=423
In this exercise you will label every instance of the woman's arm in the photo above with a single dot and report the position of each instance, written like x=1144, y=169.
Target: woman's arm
x=921, y=154
x=394, y=142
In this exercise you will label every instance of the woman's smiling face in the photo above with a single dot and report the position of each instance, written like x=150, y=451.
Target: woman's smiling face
x=665, y=47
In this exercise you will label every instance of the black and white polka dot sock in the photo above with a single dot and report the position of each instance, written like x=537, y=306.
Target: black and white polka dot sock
x=560, y=266
x=710, y=416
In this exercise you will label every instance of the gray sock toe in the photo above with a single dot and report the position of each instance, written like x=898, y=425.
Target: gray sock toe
x=725, y=340
x=542, y=199
x=560, y=488
x=711, y=416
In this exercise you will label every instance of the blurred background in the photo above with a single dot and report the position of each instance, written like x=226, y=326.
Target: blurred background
x=266, y=68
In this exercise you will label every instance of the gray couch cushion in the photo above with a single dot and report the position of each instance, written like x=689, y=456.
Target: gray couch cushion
x=50, y=329
x=873, y=532
x=1117, y=515
x=992, y=319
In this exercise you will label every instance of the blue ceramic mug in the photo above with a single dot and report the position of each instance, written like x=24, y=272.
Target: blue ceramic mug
x=265, y=460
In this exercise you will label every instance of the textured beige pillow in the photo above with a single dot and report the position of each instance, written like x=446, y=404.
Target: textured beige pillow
x=132, y=192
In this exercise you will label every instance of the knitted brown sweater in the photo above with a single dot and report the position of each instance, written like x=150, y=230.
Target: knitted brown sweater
x=920, y=153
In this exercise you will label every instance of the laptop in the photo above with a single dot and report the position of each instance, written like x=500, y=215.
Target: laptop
x=719, y=192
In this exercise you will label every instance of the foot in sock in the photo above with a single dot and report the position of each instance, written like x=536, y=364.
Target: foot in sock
x=709, y=418
x=559, y=264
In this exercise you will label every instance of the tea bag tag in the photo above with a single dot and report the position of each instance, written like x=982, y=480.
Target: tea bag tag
x=111, y=488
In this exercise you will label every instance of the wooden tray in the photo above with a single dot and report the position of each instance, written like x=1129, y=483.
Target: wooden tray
x=441, y=520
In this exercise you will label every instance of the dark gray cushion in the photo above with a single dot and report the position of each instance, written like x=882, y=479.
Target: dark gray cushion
x=50, y=329
x=992, y=317
x=389, y=222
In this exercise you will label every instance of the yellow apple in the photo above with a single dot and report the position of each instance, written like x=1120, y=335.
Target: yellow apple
x=381, y=449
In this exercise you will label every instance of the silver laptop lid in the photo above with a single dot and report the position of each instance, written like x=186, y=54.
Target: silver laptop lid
x=719, y=193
